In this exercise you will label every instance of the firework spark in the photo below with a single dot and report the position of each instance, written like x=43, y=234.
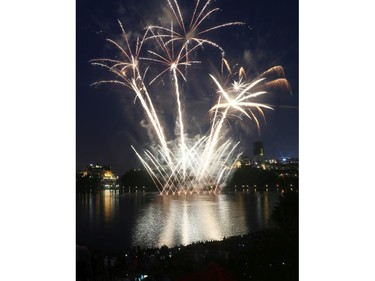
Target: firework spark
x=192, y=33
x=187, y=164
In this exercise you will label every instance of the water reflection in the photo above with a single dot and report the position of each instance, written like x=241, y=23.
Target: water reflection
x=113, y=220
x=186, y=219
x=266, y=209
x=108, y=205
x=263, y=208
x=100, y=207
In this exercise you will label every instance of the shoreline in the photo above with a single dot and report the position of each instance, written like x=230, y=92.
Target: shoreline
x=271, y=252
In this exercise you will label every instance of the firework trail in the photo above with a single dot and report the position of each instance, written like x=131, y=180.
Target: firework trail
x=186, y=164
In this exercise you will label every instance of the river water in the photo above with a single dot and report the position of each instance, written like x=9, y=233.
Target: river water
x=110, y=220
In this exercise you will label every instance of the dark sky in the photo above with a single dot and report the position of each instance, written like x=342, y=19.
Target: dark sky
x=107, y=120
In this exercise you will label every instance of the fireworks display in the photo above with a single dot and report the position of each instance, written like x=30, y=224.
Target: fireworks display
x=183, y=163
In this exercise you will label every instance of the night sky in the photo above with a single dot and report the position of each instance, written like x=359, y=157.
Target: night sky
x=107, y=120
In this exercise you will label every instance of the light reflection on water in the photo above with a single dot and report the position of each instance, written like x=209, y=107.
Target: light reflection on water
x=175, y=220
x=110, y=220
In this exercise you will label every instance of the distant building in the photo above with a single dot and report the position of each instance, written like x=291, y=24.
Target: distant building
x=242, y=162
x=284, y=167
x=258, y=151
x=97, y=176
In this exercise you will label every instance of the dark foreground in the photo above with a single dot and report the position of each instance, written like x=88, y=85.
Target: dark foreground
x=267, y=255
